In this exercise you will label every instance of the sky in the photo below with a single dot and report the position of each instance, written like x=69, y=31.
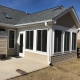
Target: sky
x=32, y=6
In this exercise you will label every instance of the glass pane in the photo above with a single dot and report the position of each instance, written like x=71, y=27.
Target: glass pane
x=44, y=40
x=57, y=41
x=39, y=40
x=66, y=41
x=11, y=39
x=31, y=39
x=27, y=39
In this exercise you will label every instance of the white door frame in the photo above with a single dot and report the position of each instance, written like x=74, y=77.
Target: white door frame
x=21, y=54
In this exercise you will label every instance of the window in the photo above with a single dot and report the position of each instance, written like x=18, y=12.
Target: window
x=66, y=41
x=11, y=38
x=57, y=41
x=73, y=41
x=29, y=39
x=42, y=40
x=6, y=15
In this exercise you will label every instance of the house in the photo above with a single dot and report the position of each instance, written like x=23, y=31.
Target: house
x=78, y=35
x=48, y=36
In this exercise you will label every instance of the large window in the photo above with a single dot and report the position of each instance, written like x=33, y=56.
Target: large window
x=42, y=40
x=73, y=41
x=11, y=38
x=29, y=39
x=57, y=41
x=66, y=41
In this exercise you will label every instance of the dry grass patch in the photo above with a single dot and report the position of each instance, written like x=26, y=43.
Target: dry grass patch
x=69, y=70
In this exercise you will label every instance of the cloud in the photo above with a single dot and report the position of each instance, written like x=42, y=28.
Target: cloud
x=56, y=2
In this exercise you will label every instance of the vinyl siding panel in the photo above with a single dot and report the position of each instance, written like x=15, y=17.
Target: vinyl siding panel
x=10, y=52
x=37, y=57
x=63, y=57
x=66, y=21
x=3, y=45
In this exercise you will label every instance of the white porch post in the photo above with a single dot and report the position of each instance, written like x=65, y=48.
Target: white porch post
x=35, y=41
x=70, y=48
x=53, y=33
x=62, y=42
x=49, y=44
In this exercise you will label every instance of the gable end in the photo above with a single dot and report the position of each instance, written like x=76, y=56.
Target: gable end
x=66, y=21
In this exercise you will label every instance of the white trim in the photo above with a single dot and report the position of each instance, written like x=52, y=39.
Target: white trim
x=24, y=24
x=62, y=42
x=29, y=38
x=14, y=37
x=53, y=41
x=7, y=25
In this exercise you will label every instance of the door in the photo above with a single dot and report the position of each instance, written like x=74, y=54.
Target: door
x=21, y=45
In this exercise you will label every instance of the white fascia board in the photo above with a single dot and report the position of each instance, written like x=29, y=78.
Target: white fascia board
x=25, y=24
x=7, y=25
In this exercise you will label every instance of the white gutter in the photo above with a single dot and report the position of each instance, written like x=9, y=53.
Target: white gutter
x=25, y=24
x=7, y=25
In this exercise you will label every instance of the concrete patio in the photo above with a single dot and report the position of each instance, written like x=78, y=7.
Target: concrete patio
x=8, y=67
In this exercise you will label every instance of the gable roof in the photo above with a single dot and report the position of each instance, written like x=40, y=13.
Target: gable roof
x=43, y=15
x=15, y=15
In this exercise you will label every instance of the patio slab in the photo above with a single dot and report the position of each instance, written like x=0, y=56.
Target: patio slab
x=8, y=67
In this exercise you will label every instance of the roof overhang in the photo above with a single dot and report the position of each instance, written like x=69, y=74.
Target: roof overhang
x=7, y=25
x=73, y=14
x=45, y=22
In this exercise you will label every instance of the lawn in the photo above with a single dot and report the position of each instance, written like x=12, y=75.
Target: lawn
x=68, y=70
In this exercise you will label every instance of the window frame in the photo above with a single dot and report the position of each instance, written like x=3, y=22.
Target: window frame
x=54, y=41
x=41, y=41
x=25, y=40
x=14, y=38
x=69, y=41
x=76, y=41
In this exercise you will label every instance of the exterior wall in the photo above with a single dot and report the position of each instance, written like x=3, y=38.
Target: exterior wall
x=66, y=21
x=78, y=36
x=37, y=57
x=34, y=52
x=3, y=45
x=63, y=57
x=10, y=51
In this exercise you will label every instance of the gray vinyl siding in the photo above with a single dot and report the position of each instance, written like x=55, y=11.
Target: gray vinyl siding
x=66, y=21
x=63, y=57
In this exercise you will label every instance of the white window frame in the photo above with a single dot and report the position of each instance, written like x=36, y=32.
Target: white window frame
x=14, y=38
x=47, y=40
x=76, y=43
x=69, y=40
x=33, y=40
x=61, y=41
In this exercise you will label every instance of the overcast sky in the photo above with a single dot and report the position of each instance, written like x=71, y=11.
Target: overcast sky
x=32, y=6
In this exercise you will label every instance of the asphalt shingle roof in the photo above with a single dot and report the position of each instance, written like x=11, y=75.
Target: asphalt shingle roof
x=20, y=17
x=16, y=15
x=43, y=15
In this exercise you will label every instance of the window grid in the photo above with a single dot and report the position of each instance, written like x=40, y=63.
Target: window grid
x=11, y=38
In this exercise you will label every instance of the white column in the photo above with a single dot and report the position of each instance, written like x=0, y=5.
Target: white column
x=53, y=33
x=49, y=44
x=35, y=41
x=62, y=42
x=70, y=47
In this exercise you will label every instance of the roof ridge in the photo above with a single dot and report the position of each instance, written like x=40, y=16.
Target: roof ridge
x=12, y=8
x=47, y=9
